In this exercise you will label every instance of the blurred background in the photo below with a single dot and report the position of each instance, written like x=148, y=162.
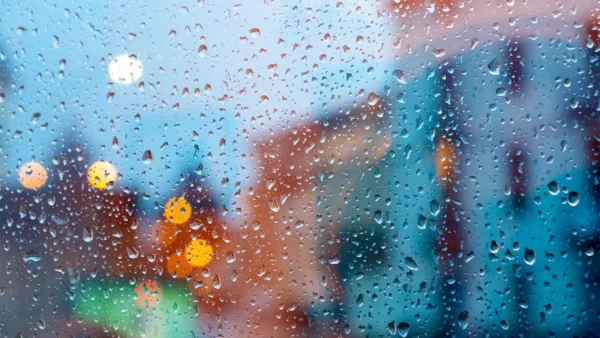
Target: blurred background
x=307, y=169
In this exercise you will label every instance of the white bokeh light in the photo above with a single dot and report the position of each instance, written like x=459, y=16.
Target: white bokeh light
x=125, y=69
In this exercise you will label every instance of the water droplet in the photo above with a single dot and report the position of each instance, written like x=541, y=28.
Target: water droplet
x=434, y=207
x=589, y=251
x=88, y=234
x=373, y=99
x=399, y=75
x=494, y=247
x=529, y=256
x=411, y=264
x=360, y=300
x=553, y=188
x=202, y=50
x=255, y=32
x=573, y=199
x=32, y=256
x=494, y=67
x=403, y=329
x=463, y=319
x=335, y=259
x=230, y=257
x=523, y=304
x=217, y=282
x=440, y=52
x=132, y=253
x=147, y=157
x=378, y=216
x=421, y=222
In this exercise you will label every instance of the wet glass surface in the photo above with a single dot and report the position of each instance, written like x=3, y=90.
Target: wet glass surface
x=299, y=169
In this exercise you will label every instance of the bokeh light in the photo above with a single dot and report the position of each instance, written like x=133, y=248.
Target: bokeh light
x=33, y=175
x=178, y=210
x=199, y=253
x=125, y=69
x=149, y=294
x=444, y=161
x=101, y=174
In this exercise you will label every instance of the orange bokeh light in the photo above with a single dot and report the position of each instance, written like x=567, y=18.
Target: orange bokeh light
x=445, y=161
x=33, y=175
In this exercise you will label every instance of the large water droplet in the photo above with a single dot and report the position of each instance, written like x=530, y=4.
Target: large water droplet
x=434, y=207
x=378, y=216
x=553, y=188
x=373, y=99
x=411, y=264
x=230, y=257
x=494, y=67
x=573, y=199
x=463, y=319
x=88, y=234
x=132, y=253
x=529, y=256
x=403, y=329
x=494, y=247
x=147, y=157
x=392, y=328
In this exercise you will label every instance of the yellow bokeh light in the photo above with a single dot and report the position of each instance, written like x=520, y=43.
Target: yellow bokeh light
x=125, y=69
x=178, y=210
x=101, y=174
x=33, y=175
x=199, y=253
